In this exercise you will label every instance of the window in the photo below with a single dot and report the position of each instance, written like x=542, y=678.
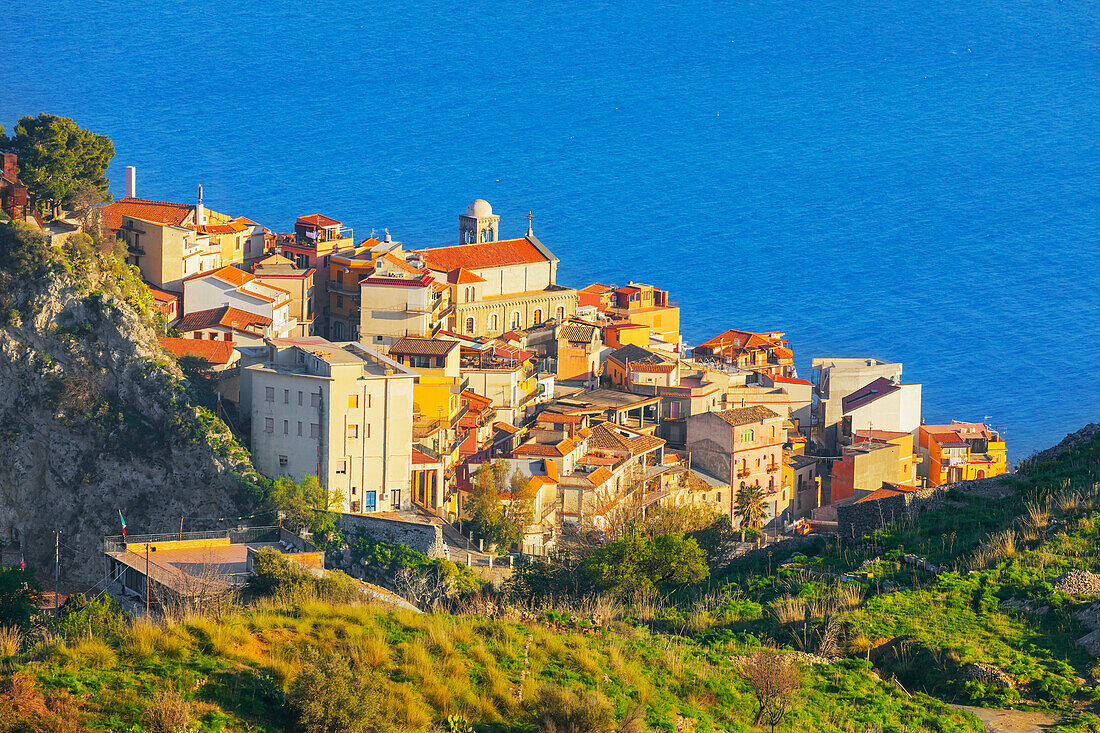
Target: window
x=559, y=313
x=339, y=301
x=299, y=429
x=338, y=330
x=341, y=467
x=314, y=430
x=515, y=319
x=353, y=401
x=377, y=339
x=315, y=399
x=719, y=497
x=368, y=430
x=237, y=244
x=269, y=425
x=537, y=318
x=494, y=322
x=283, y=460
x=299, y=399
x=747, y=436
x=269, y=394
x=286, y=396
x=369, y=503
x=286, y=427
x=353, y=431
x=396, y=494
x=470, y=325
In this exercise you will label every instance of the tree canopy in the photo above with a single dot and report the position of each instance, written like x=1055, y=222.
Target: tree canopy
x=58, y=156
x=635, y=564
x=749, y=507
x=19, y=596
x=500, y=507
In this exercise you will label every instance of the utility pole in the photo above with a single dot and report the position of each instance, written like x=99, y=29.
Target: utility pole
x=181, y=529
x=146, y=580
x=56, y=567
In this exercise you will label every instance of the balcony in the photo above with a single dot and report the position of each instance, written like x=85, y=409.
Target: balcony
x=744, y=473
x=339, y=288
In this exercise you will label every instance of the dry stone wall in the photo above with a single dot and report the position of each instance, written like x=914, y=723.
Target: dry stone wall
x=420, y=536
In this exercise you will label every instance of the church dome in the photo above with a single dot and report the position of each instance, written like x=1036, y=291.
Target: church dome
x=479, y=208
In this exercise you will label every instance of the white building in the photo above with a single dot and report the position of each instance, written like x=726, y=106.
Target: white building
x=229, y=286
x=835, y=379
x=339, y=411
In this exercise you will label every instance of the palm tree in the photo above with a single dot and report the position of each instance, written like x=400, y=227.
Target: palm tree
x=749, y=507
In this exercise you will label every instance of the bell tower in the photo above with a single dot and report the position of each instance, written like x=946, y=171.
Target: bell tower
x=478, y=224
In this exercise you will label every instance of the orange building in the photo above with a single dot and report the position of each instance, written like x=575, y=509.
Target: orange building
x=765, y=353
x=961, y=452
x=578, y=349
x=315, y=238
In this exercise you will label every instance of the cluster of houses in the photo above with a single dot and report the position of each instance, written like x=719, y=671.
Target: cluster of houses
x=394, y=373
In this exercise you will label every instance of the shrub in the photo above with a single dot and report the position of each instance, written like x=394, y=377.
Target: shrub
x=11, y=640
x=168, y=713
x=328, y=696
x=561, y=710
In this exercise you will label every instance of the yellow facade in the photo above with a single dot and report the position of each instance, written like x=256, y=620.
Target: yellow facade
x=953, y=455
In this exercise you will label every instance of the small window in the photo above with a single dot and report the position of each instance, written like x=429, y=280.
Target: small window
x=353, y=401
x=560, y=313
x=314, y=430
x=286, y=396
x=470, y=325
x=353, y=431
x=283, y=460
x=493, y=322
x=315, y=399
x=341, y=467
x=377, y=339
x=299, y=399
x=299, y=429
x=515, y=319
x=269, y=425
x=339, y=301
x=269, y=394
x=286, y=427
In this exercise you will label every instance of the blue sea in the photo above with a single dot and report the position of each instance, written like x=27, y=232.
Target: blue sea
x=912, y=181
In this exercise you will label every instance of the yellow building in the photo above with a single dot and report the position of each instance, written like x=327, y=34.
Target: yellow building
x=961, y=452
x=437, y=409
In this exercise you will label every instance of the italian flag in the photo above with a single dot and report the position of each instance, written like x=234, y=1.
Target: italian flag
x=121, y=519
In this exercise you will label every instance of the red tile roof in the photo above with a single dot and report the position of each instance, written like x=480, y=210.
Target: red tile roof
x=229, y=228
x=462, y=276
x=318, y=220
x=162, y=296
x=483, y=255
x=746, y=415
x=226, y=316
x=420, y=458
x=160, y=212
x=868, y=393
x=791, y=380
x=214, y=352
x=563, y=448
x=653, y=368
x=231, y=275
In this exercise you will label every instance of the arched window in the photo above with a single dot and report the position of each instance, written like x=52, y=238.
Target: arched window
x=516, y=319
x=747, y=436
x=470, y=324
x=537, y=319
x=559, y=313
x=981, y=473
x=494, y=322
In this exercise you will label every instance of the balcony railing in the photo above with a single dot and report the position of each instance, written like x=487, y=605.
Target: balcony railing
x=342, y=289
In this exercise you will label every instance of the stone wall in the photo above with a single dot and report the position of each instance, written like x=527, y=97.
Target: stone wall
x=862, y=518
x=420, y=536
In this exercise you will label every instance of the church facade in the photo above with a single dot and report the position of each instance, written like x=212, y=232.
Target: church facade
x=498, y=285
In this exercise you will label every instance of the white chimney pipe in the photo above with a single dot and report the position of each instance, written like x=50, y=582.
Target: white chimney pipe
x=200, y=210
x=131, y=182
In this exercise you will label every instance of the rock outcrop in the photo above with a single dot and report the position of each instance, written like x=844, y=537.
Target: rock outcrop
x=1078, y=582
x=94, y=418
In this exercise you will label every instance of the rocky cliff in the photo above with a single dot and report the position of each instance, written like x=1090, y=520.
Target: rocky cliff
x=95, y=417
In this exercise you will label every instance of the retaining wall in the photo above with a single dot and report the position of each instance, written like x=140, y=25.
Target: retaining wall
x=420, y=536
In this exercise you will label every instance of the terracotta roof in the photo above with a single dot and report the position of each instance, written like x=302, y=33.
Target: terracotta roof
x=214, y=352
x=883, y=493
x=746, y=415
x=419, y=457
x=791, y=380
x=226, y=316
x=563, y=448
x=578, y=332
x=244, y=220
x=462, y=276
x=653, y=368
x=551, y=469
x=558, y=418
x=733, y=341
x=318, y=220
x=604, y=438
x=645, y=443
x=483, y=255
x=417, y=346
x=636, y=355
x=600, y=476
x=162, y=296
x=229, y=228
x=230, y=274
x=596, y=288
x=623, y=326
x=868, y=393
x=505, y=428
x=160, y=212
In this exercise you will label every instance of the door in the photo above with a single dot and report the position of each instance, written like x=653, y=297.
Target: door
x=369, y=504
x=396, y=499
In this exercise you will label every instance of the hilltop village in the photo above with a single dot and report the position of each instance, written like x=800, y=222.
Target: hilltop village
x=394, y=372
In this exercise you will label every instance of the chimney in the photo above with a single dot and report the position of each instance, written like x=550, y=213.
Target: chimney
x=11, y=167
x=131, y=182
x=200, y=211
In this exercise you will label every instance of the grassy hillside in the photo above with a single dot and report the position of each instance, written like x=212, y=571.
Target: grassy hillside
x=412, y=671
